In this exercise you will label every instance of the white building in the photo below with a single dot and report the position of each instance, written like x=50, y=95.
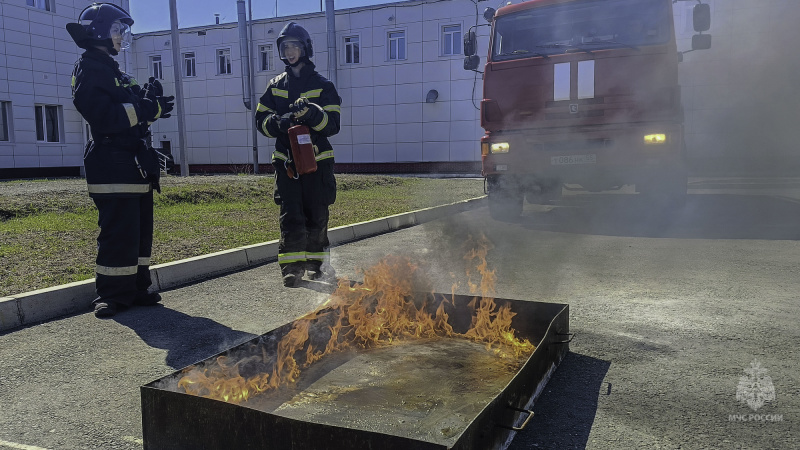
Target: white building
x=738, y=96
x=40, y=130
x=389, y=57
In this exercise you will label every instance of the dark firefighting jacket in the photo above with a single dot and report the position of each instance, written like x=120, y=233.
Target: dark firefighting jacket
x=281, y=92
x=109, y=101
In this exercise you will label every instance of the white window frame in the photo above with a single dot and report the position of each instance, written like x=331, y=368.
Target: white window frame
x=223, y=61
x=44, y=5
x=455, y=37
x=45, y=133
x=351, y=43
x=190, y=64
x=5, y=121
x=265, y=58
x=156, y=67
x=399, y=41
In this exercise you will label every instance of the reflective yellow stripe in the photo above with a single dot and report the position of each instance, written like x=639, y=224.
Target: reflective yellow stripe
x=264, y=127
x=116, y=81
x=321, y=256
x=312, y=93
x=131, y=112
x=158, y=114
x=116, y=271
x=262, y=108
x=285, y=258
x=73, y=81
x=119, y=188
x=278, y=155
x=324, y=155
x=280, y=93
x=323, y=123
x=333, y=108
x=144, y=260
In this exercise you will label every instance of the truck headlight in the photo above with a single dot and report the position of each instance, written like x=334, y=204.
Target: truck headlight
x=500, y=147
x=655, y=139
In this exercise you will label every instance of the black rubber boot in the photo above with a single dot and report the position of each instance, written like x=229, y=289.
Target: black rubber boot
x=144, y=298
x=104, y=309
x=291, y=280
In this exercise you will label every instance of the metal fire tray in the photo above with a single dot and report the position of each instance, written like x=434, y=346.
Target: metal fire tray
x=443, y=393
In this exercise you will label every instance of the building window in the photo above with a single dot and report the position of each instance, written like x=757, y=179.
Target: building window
x=352, y=50
x=189, y=66
x=264, y=57
x=451, y=40
x=5, y=119
x=156, y=70
x=41, y=4
x=47, y=123
x=223, y=61
x=397, y=45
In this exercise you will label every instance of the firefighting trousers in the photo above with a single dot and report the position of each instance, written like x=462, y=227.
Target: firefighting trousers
x=124, y=246
x=304, y=219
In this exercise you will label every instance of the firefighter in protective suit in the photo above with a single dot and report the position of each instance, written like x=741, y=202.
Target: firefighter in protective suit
x=300, y=95
x=121, y=170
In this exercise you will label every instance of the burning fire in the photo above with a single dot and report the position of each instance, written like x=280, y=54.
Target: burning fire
x=384, y=309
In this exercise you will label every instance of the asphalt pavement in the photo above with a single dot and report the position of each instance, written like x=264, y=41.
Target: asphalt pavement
x=678, y=314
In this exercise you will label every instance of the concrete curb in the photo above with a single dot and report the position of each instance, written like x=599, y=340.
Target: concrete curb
x=46, y=304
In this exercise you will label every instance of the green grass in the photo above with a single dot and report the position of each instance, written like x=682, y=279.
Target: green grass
x=48, y=232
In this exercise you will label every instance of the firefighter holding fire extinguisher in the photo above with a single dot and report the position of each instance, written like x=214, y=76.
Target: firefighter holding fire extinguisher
x=300, y=109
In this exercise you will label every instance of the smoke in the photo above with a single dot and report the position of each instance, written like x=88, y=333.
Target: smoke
x=741, y=96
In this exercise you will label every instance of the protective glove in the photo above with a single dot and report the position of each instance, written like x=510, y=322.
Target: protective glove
x=153, y=88
x=284, y=122
x=156, y=108
x=299, y=109
x=167, y=105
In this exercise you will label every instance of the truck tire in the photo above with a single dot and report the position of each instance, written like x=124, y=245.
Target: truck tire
x=505, y=200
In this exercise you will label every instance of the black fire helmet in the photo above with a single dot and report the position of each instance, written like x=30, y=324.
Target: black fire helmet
x=293, y=30
x=94, y=25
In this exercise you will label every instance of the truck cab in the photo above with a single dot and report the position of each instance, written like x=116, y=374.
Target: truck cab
x=582, y=92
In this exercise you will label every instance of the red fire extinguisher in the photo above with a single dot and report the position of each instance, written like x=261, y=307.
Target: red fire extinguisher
x=302, y=151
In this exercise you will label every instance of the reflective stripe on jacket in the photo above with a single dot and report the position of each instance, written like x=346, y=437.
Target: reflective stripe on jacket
x=282, y=91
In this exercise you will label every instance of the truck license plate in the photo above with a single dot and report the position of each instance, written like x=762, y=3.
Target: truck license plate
x=573, y=159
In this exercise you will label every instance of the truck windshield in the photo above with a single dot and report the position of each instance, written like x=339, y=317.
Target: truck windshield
x=583, y=26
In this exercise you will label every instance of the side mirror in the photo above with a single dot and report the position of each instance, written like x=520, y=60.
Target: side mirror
x=701, y=17
x=472, y=62
x=470, y=43
x=701, y=42
x=488, y=14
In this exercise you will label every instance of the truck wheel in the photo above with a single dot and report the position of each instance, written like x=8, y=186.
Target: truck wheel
x=505, y=202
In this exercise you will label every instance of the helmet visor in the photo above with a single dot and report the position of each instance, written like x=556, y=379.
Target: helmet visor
x=291, y=45
x=120, y=32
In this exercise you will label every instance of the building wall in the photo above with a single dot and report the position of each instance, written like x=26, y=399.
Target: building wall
x=36, y=61
x=384, y=114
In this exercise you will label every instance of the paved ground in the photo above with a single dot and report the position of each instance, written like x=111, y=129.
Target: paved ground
x=669, y=307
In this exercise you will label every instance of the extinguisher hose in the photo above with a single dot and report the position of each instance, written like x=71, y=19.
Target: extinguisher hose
x=289, y=170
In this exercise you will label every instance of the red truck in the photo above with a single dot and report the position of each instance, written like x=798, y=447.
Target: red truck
x=582, y=92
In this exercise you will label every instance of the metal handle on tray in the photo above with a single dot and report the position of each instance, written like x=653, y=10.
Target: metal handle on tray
x=524, y=424
x=571, y=336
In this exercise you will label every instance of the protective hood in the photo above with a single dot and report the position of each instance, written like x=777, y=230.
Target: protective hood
x=293, y=30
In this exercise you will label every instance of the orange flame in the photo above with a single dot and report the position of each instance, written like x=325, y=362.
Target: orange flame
x=383, y=309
